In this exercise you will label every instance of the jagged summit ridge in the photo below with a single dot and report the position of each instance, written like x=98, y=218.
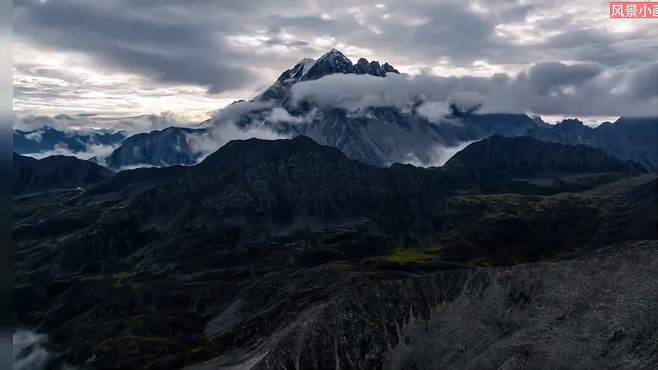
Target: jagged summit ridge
x=308, y=69
x=373, y=68
x=334, y=61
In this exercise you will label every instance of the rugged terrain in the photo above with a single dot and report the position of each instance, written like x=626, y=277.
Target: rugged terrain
x=163, y=148
x=628, y=138
x=49, y=139
x=592, y=312
x=379, y=135
x=55, y=172
x=288, y=254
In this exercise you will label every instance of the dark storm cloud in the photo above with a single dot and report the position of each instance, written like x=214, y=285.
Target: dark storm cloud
x=545, y=77
x=425, y=31
x=644, y=83
x=228, y=45
x=550, y=88
x=167, y=49
x=450, y=31
x=604, y=48
x=186, y=41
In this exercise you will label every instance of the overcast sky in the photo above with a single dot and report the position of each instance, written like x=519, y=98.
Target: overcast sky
x=127, y=57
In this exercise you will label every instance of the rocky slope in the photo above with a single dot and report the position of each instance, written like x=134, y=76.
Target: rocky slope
x=383, y=135
x=386, y=136
x=596, y=311
x=287, y=254
x=309, y=69
x=162, y=148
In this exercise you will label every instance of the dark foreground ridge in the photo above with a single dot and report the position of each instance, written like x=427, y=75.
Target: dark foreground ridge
x=592, y=312
x=56, y=172
x=287, y=254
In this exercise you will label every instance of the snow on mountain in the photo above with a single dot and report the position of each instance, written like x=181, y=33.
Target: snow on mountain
x=333, y=62
x=307, y=64
x=377, y=116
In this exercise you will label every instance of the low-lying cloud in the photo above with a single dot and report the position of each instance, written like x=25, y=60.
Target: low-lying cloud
x=29, y=351
x=438, y=155
x=584, y=89
x=239, y=121
x=97, y=152
x=553, y=76
x=86, y=123
x=215, y=137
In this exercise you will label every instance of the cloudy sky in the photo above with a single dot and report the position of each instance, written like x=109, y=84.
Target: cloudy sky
x=126, y=57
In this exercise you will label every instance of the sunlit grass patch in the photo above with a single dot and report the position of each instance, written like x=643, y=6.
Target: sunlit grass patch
x=419, y=255
x=479, y=262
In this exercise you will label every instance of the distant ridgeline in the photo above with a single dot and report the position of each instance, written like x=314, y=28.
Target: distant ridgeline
x=381, y=135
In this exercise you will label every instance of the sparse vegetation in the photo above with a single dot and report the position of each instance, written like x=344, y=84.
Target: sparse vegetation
x=405, y=255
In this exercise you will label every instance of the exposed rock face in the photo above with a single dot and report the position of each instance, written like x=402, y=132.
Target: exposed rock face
x=167, y=147
x=333, y=62
x=386, y=136
x=381, y=136
x=373, y=68
x=57, y=172
x=597, y=311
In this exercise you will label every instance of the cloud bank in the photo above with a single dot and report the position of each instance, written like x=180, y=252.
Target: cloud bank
x=97, y=152
x=239, y=121
x=438, y=155
x=582, y=89
x=86, y=123
x=150, y=56
x=29, y=351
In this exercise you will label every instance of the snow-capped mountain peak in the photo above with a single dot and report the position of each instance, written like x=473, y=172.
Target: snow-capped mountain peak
x=332, y=62
x=335, y=56
x=307, y=64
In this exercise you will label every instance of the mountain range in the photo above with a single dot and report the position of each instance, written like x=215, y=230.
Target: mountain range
x=269, y=243
x=385, y=135
x=50, y=140
x=55, y=172
x=377, y=239
x=628, y=138
x=380, y=136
